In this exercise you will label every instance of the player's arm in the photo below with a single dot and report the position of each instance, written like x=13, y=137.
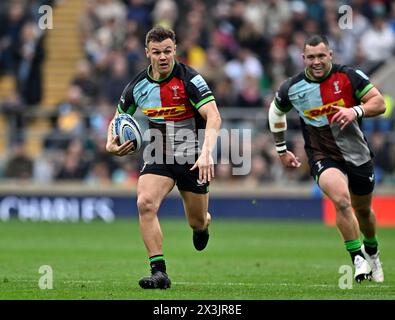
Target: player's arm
x=125, y=105
x=112, y=145
x=278, y=127
x=372, y=105
x=372, y=102
x=205, y=162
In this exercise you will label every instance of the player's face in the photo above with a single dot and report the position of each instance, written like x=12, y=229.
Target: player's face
x=162, y=56
x=318, y=60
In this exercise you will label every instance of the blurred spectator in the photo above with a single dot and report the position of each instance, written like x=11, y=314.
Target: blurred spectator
x=259, y=172
x=11, y=25
x=88, y=21
x=245, y=64
x=19, y=165
x=295, y=48
x=191, y=52
x=256, y=13
x=99, y=174
x=299, y=14
x=224, y=174
x=342, y=44
x=249, y=95
x=280, y=67
x=14, y=109
x=74, y=165
x=101, y=48
x=379, y=147
x=113, y=10
x=30, y=56
x=68, y=121
x=377, y=43
x=257, y=42
x=113, y=86
x=84, y=79
x=99, y=120
x=139, y=11
x=316, y=10
x=100, y=154
x=213, y=68
x=45, y=166
x=225, y=96
x=223, y=39
x=267, y=16
x=134, y=54
x=365, y=7
x=195, y=26
x=127, y=173
x=360, y=23
x=165, y=13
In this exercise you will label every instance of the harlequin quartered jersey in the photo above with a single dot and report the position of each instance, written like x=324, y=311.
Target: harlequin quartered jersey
x=170, y=105
x=313, y=100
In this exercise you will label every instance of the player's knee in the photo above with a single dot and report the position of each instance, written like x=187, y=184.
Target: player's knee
x=146, y=205
x=342, y=203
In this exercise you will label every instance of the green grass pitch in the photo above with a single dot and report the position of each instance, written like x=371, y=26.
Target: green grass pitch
x=245, y=259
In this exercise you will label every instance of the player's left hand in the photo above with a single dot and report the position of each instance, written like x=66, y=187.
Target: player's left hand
x=113, y=147
x=205, y=163
x=343, y=116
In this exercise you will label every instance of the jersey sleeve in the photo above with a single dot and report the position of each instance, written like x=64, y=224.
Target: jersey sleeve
x=197, y=89
x=360, y=82
x=126, y=102
x=281, y=99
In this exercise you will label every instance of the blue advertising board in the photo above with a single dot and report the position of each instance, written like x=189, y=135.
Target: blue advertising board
x=71, y=208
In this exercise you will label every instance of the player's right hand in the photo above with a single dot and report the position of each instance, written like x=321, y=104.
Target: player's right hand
x=289, y=160
x=119, y=150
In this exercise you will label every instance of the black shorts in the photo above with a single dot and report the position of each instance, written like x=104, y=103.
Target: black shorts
x=185, y=179
x=360, y=179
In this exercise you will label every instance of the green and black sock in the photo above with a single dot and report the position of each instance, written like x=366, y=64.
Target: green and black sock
x=157, y=263
x=354, y=248
x=371, y=245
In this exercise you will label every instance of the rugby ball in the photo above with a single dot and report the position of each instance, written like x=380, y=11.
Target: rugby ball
x=127, y=128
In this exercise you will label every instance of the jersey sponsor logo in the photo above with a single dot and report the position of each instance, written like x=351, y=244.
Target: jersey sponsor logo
x=165, y=112
x=324, y=110
x=199, y=83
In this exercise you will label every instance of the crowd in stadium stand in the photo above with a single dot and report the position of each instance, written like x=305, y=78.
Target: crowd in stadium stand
x=244, y=49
